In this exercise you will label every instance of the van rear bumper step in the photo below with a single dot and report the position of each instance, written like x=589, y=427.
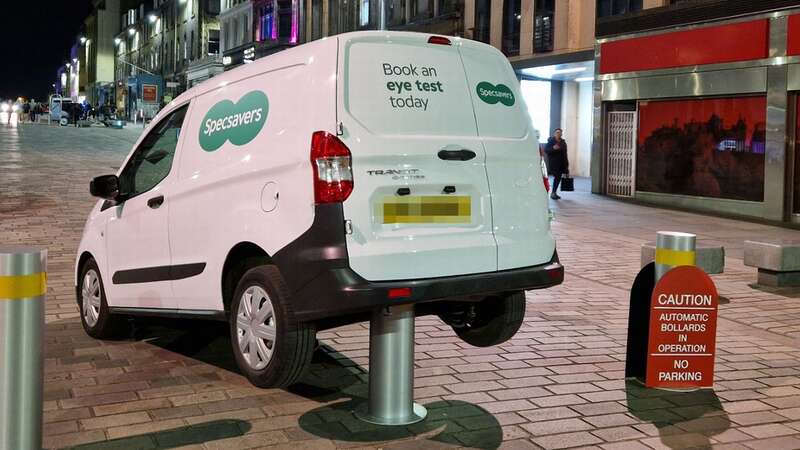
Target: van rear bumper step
x=341, y=291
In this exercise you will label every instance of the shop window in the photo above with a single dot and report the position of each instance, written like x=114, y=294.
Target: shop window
x=352, y=15
x=266, y=22
x=395, y=12
x=606, y=8
x=703, y=147
x=483, y=19
x=213, y=42
x=450, y=6
x=512, y=16
x=543, y=18
x=316, y=19
x=421, y=9
x=288, y=16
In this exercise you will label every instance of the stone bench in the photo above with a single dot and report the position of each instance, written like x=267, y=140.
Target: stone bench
x=778, y=261
x=709, y=257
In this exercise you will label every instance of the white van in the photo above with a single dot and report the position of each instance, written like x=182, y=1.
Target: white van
x=304, y=190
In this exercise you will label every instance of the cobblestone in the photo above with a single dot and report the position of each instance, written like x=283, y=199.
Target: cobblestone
x=557, y=384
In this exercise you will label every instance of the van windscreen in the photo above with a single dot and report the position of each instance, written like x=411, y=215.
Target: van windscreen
x=407, y=88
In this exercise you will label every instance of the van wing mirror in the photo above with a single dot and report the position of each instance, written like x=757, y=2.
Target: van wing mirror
x=105, y=186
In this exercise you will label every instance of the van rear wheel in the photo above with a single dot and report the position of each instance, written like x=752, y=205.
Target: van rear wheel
x=271, y=347
x=496, y=320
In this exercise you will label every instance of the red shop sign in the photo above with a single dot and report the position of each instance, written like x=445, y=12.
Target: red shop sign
x=683, y=330
x=149, y=92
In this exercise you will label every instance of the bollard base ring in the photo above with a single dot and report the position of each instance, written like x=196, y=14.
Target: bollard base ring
x=418, y=415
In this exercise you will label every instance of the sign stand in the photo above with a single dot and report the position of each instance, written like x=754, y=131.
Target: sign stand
x=391, y=369
x=673, y=319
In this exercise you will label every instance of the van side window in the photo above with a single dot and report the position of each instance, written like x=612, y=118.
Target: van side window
x=152, y=161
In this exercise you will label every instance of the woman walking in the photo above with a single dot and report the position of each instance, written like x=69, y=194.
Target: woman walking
x=557, y=162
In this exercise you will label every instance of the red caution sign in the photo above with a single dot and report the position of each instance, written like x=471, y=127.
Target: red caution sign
x=683, y=330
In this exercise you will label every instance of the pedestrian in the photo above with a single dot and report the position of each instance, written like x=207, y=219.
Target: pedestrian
x=26, y=111
x=75, y=112
x=34, y=110
x=557, y=162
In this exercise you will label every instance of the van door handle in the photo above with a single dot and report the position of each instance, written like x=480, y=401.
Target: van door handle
x=155, y=202
x=456, y=155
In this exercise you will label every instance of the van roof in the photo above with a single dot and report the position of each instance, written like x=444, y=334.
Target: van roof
x=290, y=56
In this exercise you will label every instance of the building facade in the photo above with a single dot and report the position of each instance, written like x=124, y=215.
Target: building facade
x=696, y=106
x=163, y=48
x=236, y=29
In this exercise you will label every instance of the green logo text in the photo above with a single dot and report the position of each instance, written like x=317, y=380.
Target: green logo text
x=239, y=123
x=492, y=94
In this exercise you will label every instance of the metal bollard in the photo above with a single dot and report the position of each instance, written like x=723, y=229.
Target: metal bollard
x=391, y=369
x=22, y=292
x=673, y=249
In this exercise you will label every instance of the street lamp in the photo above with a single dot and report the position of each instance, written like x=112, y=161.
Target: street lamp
x=152, y=18
x=131, y=31
x=117, y=41
x=83, y=40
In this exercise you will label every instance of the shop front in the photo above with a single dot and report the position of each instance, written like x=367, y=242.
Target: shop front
x=143, y=96
x=697, y=117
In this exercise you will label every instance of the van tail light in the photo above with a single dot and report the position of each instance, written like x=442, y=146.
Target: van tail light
x=545, y=180
x=333, y=172
x=400, y=292
x=441, y=40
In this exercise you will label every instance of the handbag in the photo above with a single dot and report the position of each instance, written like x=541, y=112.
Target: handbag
x=567, y=184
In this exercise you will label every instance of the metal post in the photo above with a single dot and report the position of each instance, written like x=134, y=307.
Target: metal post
x=22, y=294
x=391, y=369
x=673, y=249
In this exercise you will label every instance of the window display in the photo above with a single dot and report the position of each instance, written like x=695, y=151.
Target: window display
x=705, y=147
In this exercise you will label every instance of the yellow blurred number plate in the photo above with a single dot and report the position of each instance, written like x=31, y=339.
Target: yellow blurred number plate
x=427, y=209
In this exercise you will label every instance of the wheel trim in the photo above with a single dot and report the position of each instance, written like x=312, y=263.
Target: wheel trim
x=90, y=297
x=256, y=327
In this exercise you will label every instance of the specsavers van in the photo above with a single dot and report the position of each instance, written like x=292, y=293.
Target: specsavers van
x=304, y=190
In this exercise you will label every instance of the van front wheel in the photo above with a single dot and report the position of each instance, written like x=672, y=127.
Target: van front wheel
x=271, y=347
x=495, y=320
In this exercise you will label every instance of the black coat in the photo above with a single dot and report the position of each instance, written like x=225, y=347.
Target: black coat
x=556, y=158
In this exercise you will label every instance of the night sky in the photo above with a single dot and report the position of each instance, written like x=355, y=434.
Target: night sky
x=36, y=38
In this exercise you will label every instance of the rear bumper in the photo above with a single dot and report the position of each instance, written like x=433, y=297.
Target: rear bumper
x=339, y=292
x=323, y=286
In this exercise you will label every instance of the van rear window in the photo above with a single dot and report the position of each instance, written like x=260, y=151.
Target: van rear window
x=407, y=89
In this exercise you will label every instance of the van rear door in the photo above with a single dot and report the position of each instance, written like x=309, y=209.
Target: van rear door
x=420, y=206
x=519, y=200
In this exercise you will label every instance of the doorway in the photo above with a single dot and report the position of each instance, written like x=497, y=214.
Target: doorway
x=620, y=143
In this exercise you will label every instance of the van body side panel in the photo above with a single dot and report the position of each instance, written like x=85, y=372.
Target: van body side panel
x=414, y=214
x=513, y=164
x=230, y=173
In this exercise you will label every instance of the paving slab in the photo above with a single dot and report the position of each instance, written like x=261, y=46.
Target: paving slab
x=557, y=384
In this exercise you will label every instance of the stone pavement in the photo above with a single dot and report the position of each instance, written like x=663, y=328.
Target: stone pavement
x=557, y=384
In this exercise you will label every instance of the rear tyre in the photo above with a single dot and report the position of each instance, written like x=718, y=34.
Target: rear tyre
x=271, y=347
x=97, y=320
x=496, y=320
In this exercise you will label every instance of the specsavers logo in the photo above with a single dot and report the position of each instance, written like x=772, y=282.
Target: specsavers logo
x=492, y=94
x=239, y=123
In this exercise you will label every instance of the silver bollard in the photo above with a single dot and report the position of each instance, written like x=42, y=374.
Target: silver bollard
x=22, y=293
x=391, y=369
x=673, y=249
